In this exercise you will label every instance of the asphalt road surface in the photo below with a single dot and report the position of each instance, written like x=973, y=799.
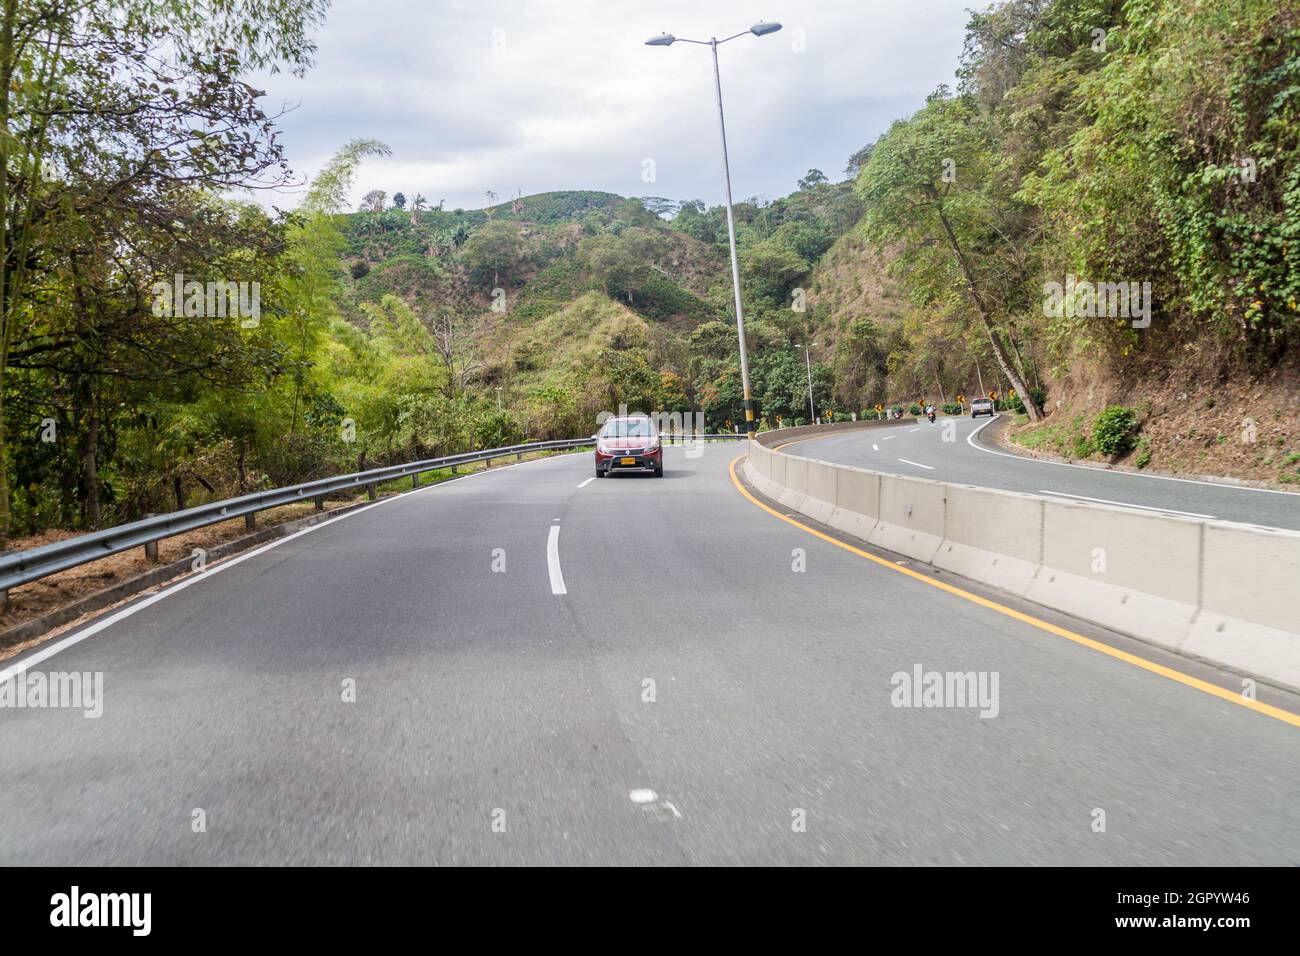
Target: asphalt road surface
x=653, y=683
x=955, y=449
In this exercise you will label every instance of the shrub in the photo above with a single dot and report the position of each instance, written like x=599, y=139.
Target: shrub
x=1039, y=396
x=1114, y=432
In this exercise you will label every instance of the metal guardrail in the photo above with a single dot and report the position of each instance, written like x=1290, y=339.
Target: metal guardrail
x=23, y=567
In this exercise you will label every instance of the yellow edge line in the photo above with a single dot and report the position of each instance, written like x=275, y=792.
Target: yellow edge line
x=1269, y=710
x=795, y=441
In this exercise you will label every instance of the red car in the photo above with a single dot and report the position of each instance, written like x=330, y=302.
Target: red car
x=629, y=444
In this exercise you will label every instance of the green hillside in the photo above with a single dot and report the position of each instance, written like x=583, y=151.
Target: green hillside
x=1151, y=147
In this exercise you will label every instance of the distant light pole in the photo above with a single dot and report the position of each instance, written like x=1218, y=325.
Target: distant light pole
x=498, y=399
x=812, y=414
x=667, y=39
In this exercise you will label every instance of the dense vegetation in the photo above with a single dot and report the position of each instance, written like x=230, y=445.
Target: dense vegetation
x=1152, y=140
x=1143, y=141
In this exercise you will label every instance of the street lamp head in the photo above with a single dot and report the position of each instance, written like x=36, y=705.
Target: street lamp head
x=663, y=39
x=760, y=28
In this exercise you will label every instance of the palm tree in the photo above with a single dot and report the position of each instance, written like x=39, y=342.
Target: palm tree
x=418, y=203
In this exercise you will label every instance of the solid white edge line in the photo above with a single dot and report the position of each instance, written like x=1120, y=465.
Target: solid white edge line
x=553, y=560
x=45, y=653
x=1110, y=471
x=587, y=482
x=917, y=464
x=1125, y=504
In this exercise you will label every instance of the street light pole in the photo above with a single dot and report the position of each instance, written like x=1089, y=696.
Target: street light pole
x=667, y=39
x=735, y=261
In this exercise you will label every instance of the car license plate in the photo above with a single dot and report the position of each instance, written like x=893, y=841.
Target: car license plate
x=627, y=461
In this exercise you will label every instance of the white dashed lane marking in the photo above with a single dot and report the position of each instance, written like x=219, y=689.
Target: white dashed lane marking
x=553, y=560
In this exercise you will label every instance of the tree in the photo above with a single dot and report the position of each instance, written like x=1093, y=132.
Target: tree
x=660, y=206
x=770, y=270
x=932, y=184
x=399, y=201
x=857, y=161
x=813, y=179
x=101, y=165
x=623, y=262
x=418, y=204
x=490, y=248
x=373, y=201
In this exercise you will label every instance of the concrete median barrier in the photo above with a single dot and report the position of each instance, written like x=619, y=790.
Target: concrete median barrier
x=911, y=517
x=857, y=502
x=794, y=486
x=1132, y=571
x=1225, y=593
x=992, y=536
x=820, y=500
x=1250, y=601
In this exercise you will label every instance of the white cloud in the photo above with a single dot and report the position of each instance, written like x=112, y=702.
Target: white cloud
x=512, y=95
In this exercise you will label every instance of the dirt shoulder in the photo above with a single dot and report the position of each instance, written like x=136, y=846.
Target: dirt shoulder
x=1245, y=432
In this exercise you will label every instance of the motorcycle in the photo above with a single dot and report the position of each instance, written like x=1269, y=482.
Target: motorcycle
x=930, y=415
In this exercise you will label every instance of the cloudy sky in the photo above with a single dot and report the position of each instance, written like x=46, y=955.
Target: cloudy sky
x=511, y=95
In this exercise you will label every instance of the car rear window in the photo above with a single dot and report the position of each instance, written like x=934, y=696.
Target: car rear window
x=627, y=428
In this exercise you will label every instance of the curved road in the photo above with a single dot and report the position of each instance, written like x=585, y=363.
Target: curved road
x=955, y=449
x=689, y=697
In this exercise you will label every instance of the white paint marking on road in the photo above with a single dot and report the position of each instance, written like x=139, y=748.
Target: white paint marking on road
x=888, y=437
x=1125, y=504
x=970, y=440
x=910, y=430
x=917, y=464
x=643, y=796
x=553, y=560
x=875, y=447
x=587, y=482
x=45, y=653
x=61, y=645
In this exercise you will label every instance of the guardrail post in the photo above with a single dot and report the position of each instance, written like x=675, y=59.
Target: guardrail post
x=320, y=502
x=150, y=547
x=4, y=601
x=250, y=520
x=519, y=456
x=454, y=471
x=372, y=491
x=415, y=480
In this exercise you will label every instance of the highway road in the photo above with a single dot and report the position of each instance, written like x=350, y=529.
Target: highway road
x=959, y=450
x=650, y=679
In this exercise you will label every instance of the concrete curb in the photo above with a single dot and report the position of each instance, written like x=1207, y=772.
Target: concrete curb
x=1216, y=591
